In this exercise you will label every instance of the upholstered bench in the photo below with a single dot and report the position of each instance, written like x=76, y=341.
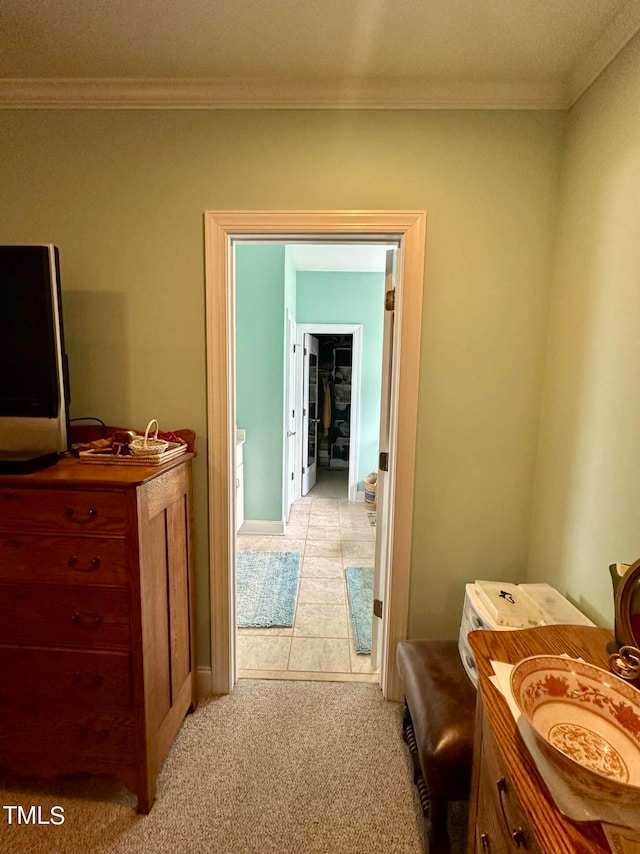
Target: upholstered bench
x=439, y=712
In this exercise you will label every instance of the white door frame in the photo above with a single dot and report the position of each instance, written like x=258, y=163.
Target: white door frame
x=355, y=330
x=384, y=508
x=291, y=477
x=222, y=228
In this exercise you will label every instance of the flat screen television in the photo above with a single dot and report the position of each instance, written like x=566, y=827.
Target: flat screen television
x=34, y=386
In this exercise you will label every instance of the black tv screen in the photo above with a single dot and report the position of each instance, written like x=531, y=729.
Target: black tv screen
x=33, y=381
x=28, y=363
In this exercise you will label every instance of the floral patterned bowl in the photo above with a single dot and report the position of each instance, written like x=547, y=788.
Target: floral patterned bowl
x=586, y=722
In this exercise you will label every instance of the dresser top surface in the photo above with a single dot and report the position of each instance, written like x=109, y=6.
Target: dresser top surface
x=554, y=833
x=70, y=472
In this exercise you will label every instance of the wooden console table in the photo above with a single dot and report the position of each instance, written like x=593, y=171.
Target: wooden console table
x=510, y=806
x=96, y=619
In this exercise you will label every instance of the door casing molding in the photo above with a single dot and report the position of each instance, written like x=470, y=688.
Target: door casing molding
x=222, y=227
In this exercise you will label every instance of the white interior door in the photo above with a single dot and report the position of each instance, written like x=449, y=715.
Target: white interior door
x=291, y=419
x=383, y=508
x=310, y=419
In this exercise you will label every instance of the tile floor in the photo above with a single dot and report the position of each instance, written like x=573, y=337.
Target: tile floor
x=330, y=533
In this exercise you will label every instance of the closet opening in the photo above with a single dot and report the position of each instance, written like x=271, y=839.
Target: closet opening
x=330, y=399
x=334, y=411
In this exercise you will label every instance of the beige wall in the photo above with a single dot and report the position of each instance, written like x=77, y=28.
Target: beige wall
x=587, y=497
x=122, y=194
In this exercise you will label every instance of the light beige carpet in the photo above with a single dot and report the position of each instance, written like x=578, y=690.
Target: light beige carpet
x=275, y=767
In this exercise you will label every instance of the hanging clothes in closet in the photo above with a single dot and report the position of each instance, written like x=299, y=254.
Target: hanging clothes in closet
x=327, y=405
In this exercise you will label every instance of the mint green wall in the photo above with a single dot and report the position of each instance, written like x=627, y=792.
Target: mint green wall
x=289, y=283
x=259, y=372
x=324, y=297
x=123, y=192
x=266, y=287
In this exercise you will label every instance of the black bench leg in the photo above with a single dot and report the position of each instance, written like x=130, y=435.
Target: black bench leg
x=435, y=827
x=409, y=737
x=434, y=810
x=434, y=814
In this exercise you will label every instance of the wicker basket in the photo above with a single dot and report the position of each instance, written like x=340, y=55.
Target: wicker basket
x=370, y=487
x=148, y=446
x=174, y=450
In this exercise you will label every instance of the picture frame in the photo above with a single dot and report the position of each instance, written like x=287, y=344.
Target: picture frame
x=627, y=607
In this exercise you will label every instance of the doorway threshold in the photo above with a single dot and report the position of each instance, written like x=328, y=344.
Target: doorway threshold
x=309, y=676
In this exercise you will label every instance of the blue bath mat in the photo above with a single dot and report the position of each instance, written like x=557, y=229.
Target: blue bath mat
x=266, y=588
x=360, y=595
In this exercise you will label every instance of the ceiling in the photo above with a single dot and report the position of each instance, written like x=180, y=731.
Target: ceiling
x=345, y=258
x=292, y=53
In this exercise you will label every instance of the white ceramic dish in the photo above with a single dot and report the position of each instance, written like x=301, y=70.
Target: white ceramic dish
x=586, y=722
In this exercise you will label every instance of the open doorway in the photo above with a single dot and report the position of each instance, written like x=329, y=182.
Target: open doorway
x=330, y=444
x=222, y=230
x=330, y=438
x=320, y=530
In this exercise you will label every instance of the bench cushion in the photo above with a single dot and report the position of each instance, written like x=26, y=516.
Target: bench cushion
x=442, y=701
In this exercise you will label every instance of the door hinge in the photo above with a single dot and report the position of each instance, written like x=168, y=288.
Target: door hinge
x=377, y=608
x=306, y=351
x=390, y=300
x=383, y=462
x=292, y=476
x=304, y=411
x=303, y=470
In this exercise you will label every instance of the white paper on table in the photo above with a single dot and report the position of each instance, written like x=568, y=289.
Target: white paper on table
x=574, y=806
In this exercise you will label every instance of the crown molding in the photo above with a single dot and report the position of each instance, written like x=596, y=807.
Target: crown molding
x=171, y=94
x=619, y=32
x=298, y=94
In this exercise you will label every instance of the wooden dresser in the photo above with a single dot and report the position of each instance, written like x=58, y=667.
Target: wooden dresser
x=510, y=806
x=97, y=659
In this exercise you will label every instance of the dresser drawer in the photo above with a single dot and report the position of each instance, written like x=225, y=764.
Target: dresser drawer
x=68, y=560
x=52, y=678
x=62, y=511
x=64, y=615
x=72, y=738
x=501, y=824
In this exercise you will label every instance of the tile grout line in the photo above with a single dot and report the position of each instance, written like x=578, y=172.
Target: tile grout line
x=295, y=609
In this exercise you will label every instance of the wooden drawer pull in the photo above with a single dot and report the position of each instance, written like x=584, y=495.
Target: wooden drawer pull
x=70, y=514
x=516, y=834
x=91, y=621
x=73, y=563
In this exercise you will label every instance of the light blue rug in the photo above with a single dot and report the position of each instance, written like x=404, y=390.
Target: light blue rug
x=360, y=595
x=266, y=588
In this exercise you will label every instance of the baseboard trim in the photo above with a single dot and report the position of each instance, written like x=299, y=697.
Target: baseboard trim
x=359, y=497
x=258, y=527
x=205, y=682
